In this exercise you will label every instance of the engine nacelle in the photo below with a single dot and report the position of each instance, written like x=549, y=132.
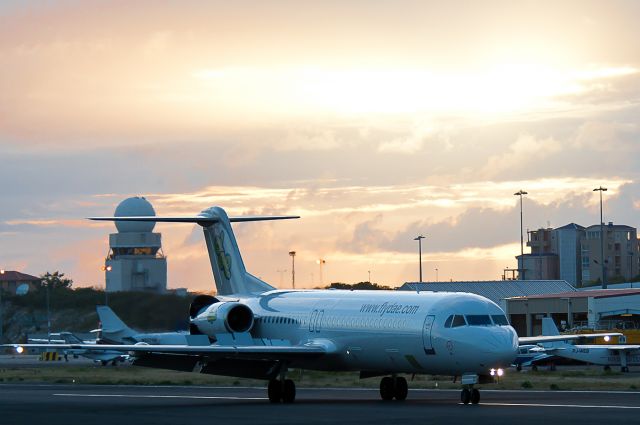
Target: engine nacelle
x=224, y=317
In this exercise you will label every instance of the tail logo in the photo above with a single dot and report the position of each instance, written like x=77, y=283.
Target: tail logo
x=224, y=259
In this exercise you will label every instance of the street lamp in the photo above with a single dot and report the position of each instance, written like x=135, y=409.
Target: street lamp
x=604, y=279
x=106, y=268
x=521, y=269
x=320, y=263
x=293, y=269
x=282, y=272
x=1, y=310
x=436, y=274
x=419, y=239
x=46, y=284
x=369, y=271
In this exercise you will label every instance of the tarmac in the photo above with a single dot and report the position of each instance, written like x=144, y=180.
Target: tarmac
x=108, y=405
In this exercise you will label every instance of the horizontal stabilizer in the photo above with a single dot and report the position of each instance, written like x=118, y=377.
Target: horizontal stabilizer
x=203, y=221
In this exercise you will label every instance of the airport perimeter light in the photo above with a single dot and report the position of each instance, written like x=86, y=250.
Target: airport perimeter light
x=419, y=239
x=521, y=269
x=604, y=279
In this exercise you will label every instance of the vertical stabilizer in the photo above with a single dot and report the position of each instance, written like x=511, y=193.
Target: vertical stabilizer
x=229, y=272
x=113, y=329
x=549, y=328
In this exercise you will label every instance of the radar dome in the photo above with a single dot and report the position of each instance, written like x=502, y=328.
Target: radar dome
x=137, y=206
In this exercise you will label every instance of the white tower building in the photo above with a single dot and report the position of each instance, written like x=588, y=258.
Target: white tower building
x=135, y=261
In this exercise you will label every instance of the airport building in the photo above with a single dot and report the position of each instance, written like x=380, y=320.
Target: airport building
x=15, y=282
x=590, y=309
x=572, y=253
x=135, y=261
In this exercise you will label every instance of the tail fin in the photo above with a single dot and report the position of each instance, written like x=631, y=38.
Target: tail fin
x=549, y=328
x=230, y=275
x=113, y=328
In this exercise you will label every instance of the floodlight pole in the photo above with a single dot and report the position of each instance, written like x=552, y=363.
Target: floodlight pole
x=293, y=269
x=604, y=279
x=521, y=269
x=1, y=309
x=419, y=239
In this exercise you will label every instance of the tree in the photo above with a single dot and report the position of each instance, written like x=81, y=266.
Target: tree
x=56, y=280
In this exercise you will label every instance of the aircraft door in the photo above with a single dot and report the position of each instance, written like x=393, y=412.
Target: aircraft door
x=312, y=320
x=426, y=334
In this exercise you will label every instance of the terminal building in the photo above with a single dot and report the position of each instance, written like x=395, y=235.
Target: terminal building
x=135, y=261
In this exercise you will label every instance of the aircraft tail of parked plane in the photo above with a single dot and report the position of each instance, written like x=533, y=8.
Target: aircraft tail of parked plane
x=230, y=275
x=112, y=327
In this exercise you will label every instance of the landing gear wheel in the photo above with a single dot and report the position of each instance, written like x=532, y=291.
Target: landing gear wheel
x=288, y=391
x=624, y=369
x=465, y=396
x=534, y=368
x=475, y=396
x=552, y=367
x=386, y=388
x=519, y=367
x=401, y=389
x=607, y=368
x=274, y=391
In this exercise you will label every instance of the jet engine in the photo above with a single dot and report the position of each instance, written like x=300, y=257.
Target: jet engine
x=222, y=317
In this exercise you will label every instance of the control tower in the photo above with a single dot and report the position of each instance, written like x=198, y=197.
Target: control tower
x=135, y=261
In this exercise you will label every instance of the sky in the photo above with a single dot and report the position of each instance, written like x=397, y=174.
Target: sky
x=375, y=121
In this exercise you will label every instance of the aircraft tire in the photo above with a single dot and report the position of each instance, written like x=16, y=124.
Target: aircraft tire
x=288, y=391
x=386, y=388
x=475, y=396
x=401, y=389
x=274, y=391
x=465, y=396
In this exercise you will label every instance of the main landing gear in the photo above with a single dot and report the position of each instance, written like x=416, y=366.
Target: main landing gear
x=393, y=387
x=470, y=395
x=281, y=390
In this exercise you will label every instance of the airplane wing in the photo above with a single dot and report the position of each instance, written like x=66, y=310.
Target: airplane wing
x=623, y=347
x=542, y=339
x=249, y=352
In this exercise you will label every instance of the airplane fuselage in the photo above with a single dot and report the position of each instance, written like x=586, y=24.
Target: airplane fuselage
x=383, y=331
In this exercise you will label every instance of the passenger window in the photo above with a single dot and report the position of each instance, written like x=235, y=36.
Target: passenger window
x=447, y=323
x=458, y=320
x=478, y=320
x=500, y=320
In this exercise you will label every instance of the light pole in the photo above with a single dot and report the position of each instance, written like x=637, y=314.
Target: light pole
x=604, y=279
x=293, y=269
x=46, y=283
x=436, y=274
x=321, y=263
x=521, y=269
x=106, y=269
x=1, y=309
x=282, y=272
x=419, y=239
x=369, y=271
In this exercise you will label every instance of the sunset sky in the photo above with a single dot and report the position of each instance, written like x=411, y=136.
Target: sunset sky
x=376, y=121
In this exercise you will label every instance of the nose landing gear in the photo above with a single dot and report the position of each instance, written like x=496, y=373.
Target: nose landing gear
x=394, y=387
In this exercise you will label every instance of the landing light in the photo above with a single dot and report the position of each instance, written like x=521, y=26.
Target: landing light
x=500, y=372
x=19, y=350
x=607, y=338
x=492, y=372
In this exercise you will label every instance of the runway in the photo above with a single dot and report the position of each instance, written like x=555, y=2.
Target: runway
x=64, y=404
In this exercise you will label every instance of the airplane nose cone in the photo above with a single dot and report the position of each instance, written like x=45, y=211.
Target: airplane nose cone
x=503, y=345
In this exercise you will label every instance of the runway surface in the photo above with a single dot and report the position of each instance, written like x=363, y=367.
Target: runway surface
x=96, y=405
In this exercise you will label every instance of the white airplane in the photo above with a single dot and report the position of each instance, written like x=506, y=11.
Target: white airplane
x=114, y=331
x=600, y=354
x=58, y=338
x=252, y=330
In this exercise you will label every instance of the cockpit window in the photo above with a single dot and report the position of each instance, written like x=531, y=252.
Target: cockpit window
x=447, y=323
x=478, y=319
x=500, y=319
x=458, y=320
